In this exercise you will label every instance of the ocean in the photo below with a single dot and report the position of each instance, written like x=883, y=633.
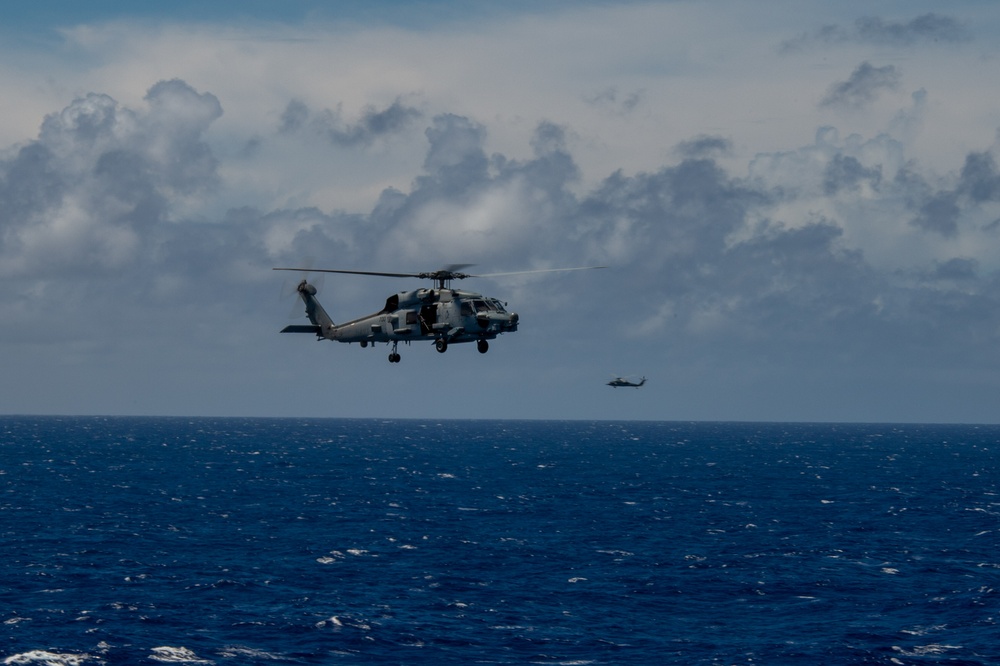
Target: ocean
x=357, y=541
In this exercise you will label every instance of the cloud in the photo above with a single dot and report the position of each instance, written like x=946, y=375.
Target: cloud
x=926, y=28
x=846, y=172
x=456, y=158
x=980, y=178
x=705, y=146
x=843, y=252
x=940, y=214
x=779, y=256
x=371, y=126
x=612, y=100
x=99, y=176
x=862, y=87
x=959, y=269
x=468, y=205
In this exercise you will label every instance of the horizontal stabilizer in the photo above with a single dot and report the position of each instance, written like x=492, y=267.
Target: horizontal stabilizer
x=315, y=330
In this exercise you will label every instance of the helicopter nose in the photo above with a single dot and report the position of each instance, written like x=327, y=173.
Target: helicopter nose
x=512, y=322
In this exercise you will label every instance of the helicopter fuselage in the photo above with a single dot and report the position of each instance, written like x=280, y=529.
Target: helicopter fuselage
x=430, y=314
x=621, y=381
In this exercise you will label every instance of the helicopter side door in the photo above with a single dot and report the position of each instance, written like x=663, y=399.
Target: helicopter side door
x=428, y=317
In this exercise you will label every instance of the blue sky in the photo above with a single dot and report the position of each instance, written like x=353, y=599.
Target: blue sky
x=798, y=204
x=46, y=15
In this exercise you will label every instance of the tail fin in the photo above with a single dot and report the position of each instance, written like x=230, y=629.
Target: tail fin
x=320, y=320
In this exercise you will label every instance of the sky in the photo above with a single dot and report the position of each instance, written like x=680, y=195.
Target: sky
x=797, y=202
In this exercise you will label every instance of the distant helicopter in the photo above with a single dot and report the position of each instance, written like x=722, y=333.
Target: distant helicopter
x=442, y=314
x=621, y=381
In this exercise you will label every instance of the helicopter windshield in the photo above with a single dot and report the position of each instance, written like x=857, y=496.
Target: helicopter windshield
x=478, y=306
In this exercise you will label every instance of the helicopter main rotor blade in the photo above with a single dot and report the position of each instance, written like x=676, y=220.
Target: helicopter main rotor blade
x=539, y=270
x=447, y=273
x=332, y=270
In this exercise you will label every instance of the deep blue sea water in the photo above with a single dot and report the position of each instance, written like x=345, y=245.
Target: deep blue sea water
x=291, y=541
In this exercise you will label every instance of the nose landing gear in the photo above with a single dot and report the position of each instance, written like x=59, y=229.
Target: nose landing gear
x=483, y=346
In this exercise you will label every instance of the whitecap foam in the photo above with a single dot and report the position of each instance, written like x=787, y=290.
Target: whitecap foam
x=45, y=658
x=234, y=651
x=177, y=655
x=925, y=650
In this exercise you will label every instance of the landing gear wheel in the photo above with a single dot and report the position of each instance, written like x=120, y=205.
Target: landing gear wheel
x=394, y=357
x=483, y=346
x=441, y=345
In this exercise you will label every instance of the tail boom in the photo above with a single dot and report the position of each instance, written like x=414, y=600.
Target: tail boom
x=321, y=324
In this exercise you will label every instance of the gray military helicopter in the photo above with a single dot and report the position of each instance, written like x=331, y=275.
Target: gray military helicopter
x=621, y=381
x=440, y=313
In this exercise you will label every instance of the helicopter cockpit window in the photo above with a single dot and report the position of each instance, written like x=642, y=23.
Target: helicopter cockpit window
x=481, y=306
x=497, y=305
x=466, y=309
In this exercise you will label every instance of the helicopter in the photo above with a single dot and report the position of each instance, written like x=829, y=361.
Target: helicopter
x=439, y=313
x=621, y=381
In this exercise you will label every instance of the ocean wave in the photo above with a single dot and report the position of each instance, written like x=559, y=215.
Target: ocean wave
x=45, y=658
x=177, y=655
x=620, y=552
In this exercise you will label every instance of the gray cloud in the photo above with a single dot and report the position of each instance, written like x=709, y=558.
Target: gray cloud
x=845, y=172
x=371, y=126
x=779, y=286
x=862, y=87
x=958, y=269
x=926, y=28
x=294, y=117
x=456, y=162
x=698, y=242
x=611, y=99
x=941, y=211
x=705, y=146
x=99, y=175
x=696, y=249
x=980, y=178
x=703, y=264
x=940, y=214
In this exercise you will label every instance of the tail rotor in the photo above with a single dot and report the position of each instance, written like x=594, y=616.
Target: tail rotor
x=292, y=287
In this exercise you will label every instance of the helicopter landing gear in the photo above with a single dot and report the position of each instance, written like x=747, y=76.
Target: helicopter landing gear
x=393, y=356
x=441, y=345
x=483, y=346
